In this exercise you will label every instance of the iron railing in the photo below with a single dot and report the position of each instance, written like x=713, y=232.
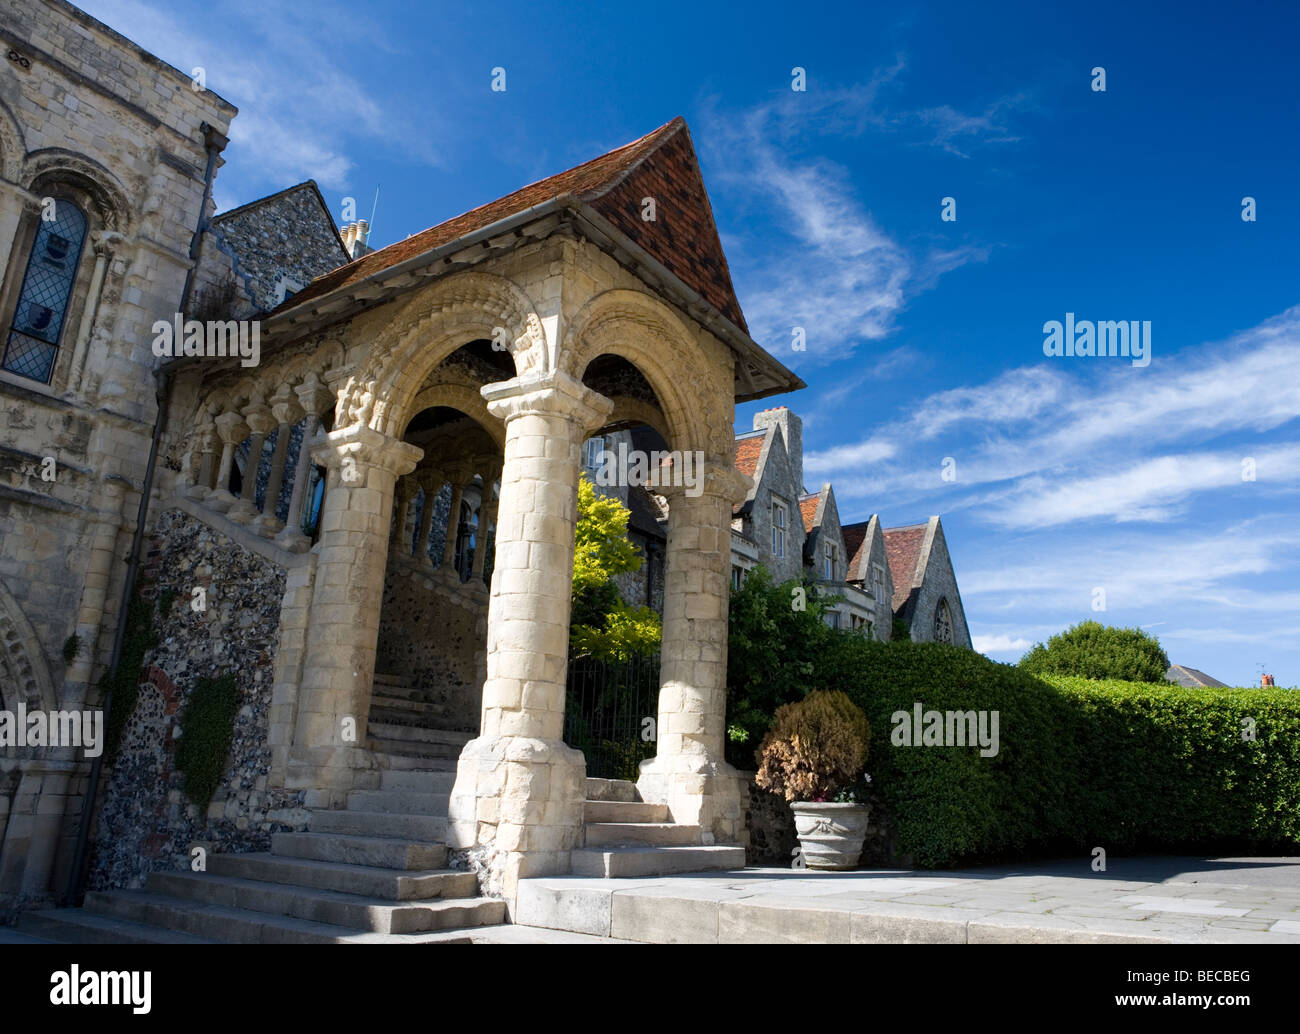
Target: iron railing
x=611, y=709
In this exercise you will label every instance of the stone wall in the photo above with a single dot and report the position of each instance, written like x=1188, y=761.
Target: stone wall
x=145, y=822
x=436, y=635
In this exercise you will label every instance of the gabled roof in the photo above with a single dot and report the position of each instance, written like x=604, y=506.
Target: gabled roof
x=903, y=547
x=808, y=505
x=855, y=537
x=749, y=447
x=1192, y=679
x=661, y=165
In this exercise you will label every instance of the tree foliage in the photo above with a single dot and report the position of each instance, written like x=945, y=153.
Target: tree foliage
x=602, y=623
x=1092, y=650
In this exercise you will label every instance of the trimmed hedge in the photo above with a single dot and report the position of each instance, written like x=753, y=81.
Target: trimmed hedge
x=1081, y=764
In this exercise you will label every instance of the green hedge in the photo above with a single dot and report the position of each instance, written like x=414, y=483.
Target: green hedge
x=1081, y=764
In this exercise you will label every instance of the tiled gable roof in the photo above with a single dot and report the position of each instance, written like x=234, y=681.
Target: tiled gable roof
x=661, y=165
x=855, y=539
x=748, y=451
x=808, y=510
x=903, y=548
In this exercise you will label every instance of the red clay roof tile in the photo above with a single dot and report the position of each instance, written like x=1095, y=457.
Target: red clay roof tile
x=903, y=548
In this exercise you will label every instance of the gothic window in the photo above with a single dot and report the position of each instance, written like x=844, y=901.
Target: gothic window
x=877, y=582
x=778, y=529
x=942, y=623
x=465, y=535
x=828, y=554
x=42, y=306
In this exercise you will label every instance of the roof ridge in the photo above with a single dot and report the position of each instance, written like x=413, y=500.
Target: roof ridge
x=675, y=124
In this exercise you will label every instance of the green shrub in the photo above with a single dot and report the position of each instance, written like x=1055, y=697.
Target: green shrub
x=71, y=647
x=1096, y=651
x=207, y=728
x=815, y=747
x=124, y=680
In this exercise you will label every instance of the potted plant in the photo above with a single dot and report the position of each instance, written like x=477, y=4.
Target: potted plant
x=813, y=756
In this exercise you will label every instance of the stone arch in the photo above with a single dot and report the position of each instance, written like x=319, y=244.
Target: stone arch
x=12, y=147
x=22, y=663
x=58, y=167
x=464, y=398
x=641, y=329
x=426, y=330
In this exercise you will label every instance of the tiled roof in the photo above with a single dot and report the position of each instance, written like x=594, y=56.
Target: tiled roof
x=661, y=165
x=1192, y=678
x=748, y=450
x=808, y=510
x=903, y=548
x=855, y=537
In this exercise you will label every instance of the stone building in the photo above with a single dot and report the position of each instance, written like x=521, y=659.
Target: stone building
x=926, y=598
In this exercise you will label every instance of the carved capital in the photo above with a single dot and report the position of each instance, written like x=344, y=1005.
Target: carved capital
x=367, y=448
x=231, y=428
x=549, y=394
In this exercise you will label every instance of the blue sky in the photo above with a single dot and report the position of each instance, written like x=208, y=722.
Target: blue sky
x=925, y=337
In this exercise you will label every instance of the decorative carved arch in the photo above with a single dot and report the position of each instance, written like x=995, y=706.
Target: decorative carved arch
x=426, y=330
x=641, y=329
x=467, y=400
x=22, y=664
x=12, y=147
x=638, y=411
x=56, y=166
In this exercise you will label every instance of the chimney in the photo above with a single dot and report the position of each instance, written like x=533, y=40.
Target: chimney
x=1266, y=682
x=347, y=234
x=792, y=428
x=362, y=232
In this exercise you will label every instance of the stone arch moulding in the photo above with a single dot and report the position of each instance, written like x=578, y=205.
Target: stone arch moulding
x=463, y=398
x=12, y=147
x=425, y=331
x=26, y=676
x=643, y=330
x=56, y=165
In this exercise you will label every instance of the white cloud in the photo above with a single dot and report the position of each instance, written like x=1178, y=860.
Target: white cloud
x=1000, y=644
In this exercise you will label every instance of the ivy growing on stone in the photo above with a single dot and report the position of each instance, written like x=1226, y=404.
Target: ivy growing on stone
x=207, y=729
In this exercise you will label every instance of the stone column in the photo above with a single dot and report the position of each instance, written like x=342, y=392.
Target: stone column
x=287, y=411
x=689, y=772
x=517, y=803
x=206, y=446
x=402, y=494
x=313, y=397
x=260, y=424
x=459, y=478
x=329, y=735
x=431, y=483
x=486, y=515
x=232, y=430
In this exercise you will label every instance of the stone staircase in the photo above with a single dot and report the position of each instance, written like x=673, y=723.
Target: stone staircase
x=374, y=871
x=625, y=837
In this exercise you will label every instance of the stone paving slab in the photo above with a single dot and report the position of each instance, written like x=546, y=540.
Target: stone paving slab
x=1182, y=901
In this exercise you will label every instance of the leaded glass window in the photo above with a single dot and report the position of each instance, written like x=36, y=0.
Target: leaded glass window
x=42, y=307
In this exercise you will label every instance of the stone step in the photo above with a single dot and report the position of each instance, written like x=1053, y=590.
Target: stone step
x=612, y=790
x=414, y=749
x=417, y=780
x=78, y=926
x=616, y=862
x=388, y=679
x=241, y=926
x=624, y=811
x=400, y=802
x=412, y=763
x=333, y=908
x=406, y=712
x=418, y=734
x=661, y=834
x=366, y=880
x=379, y=852
x=427, y=828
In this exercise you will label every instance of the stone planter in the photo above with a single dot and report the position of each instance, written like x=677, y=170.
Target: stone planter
x=831, y=835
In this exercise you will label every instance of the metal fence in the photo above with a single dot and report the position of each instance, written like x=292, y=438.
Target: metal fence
x=610, y=713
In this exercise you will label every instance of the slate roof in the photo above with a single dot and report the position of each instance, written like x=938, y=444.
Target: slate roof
x=683, y=236
x=1192, y=679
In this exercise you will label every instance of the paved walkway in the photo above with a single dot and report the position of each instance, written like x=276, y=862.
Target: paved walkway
x=1170, y=900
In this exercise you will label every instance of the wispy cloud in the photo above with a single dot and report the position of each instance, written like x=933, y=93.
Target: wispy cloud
x=301, y=114
x=827, y=265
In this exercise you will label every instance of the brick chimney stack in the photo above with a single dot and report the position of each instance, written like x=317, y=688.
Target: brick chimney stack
x=1266, y=682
